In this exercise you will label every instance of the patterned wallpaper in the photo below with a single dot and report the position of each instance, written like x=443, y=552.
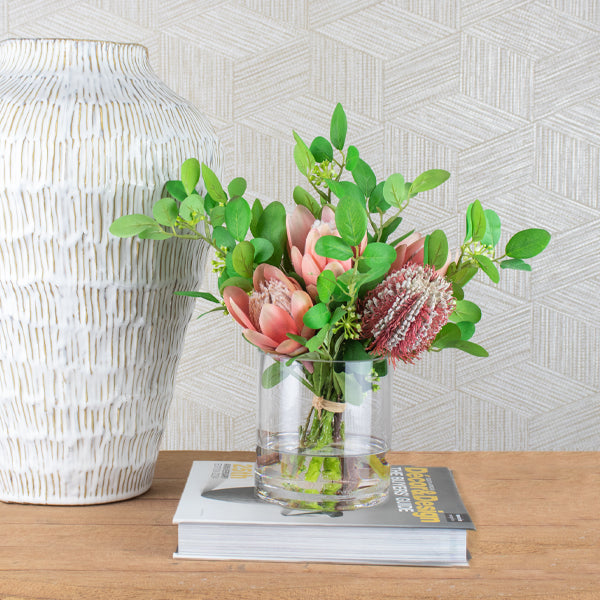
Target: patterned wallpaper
x=505, y=94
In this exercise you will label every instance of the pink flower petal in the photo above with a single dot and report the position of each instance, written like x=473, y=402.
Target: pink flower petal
x=307, y=332
x=296, y=258
x=262, y=341
x=310, y=270
x=259, y=276
x=298, y=225
x=289, y=347
x=328, y=216
x=309, y=248
x=336, y=267
x=400, y=258
x=237, y=303
x=276, y=323
x=415, y=249
x=301, y=302
x=271, y=272
x=312, y=291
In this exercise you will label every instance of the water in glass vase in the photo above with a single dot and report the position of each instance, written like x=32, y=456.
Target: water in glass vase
x=351, y=474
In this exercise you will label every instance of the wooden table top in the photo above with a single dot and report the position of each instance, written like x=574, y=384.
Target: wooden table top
x=538, y=537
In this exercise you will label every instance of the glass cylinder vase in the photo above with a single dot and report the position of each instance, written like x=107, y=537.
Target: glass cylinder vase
x=323, y=431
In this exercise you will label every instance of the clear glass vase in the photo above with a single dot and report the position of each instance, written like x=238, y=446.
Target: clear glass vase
x=323, y=432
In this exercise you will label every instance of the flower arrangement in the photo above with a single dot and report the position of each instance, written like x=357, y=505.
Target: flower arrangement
x=334, y=280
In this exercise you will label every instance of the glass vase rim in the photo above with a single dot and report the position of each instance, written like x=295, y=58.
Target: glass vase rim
x=74, y=41
x=285, y=359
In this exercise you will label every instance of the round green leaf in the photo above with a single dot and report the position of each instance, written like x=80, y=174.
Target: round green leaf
x=263, y=250
x=351, y=157
x=213, y=185
x=166, y=211
x=257, y=211
x=272, y=226
x=346, y=189
x=447, y=334
x=466, y=311
x=515, y=263
x=303, y=198
x=176, y=189
x=467, y=329
x=321, y=149
x=130, y=225
x=237, y=187
x=376, y=200
x=241, y=282
x=478, y=221
x=492, y=228
x=338, y=127
x=192, y=208
x=331, y=246
x=238, y=215
x=325, y=285
x=317, y=316
x=351, y=220
x=364, y=177
x=190, y=174
x=394, y=190
x=437, y=249
x=378, y=255
x=242, y=259
x=428, y=180
x=223, y=238
x=527, y=243
x=154, y=233
x=489, y=268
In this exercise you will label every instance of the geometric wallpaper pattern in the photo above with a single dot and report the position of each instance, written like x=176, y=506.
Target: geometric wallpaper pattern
x=504, y=94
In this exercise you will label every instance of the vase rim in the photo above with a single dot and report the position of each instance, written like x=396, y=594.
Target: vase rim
x=74, y=40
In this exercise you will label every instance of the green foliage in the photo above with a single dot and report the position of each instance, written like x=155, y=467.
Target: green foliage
x=351, y=220
x=271, y=226
x=516, y=264
x=237, y=187
x=394, y=190
x=436, y=249
x=321, y=149
x=303, y=198
x=364, y=177
x=243, y=259
x=237, y=218
x=130, y=225
x=338, y=127
x=317, y=316
x=352, y=157
x=166, y=211
x=527, y=243
x=428, y=180
x=331, y=246
x=190, y=175
x=213, y=185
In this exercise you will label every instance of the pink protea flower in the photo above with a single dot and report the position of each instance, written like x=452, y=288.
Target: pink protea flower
x=303, y=231
x=275, y=308
x=404, y=313
x=412, y=250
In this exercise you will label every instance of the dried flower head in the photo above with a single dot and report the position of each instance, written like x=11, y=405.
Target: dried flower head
x=404, y=313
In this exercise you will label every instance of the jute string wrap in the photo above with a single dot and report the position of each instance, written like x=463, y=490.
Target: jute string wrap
x=320, y=403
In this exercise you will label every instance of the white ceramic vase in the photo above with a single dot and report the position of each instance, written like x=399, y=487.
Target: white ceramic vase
x=90, y=331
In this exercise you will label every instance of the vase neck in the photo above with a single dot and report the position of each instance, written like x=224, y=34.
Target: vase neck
x=55, y=55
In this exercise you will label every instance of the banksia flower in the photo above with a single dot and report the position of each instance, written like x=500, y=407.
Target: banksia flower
x=404, y=313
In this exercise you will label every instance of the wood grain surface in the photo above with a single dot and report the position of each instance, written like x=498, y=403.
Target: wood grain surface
x=538, y=537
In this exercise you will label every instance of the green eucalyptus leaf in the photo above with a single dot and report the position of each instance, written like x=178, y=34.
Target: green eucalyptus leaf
x=257, y=211
x=394, y=190
x=492, y=228
x=192, y=208
x=527, y=243
x=166, y=211
x=346, y=190
x=351, y=220
x=478, y=221
x=447, y=334
x=332, y=246
x=242, y=282
x=303, y=198
x=469, y=348
x=457, y=291
x=378, y=255
x=237, y=187
x=154, y=233
x=303, y=157
x=488, y=267
x=272, y=226
x=176, y=189
x=391, y=226
x=130, y=225
x=428, y=180
x=243, y=259
x=317, y=316
x=209, y=203
x=352, y=157
x=338, y=127
x=263, y=250
x=463, y=275
x=466, y=311
x=364, y=177
x=469, y=223
x=273, y=375
x=315, y=342
x=515, y=263
x=467, y=329
x=217, y=216
x=213, y=185
x=190, y=175
x=325, y=285
x=437, y=249
x=376, y=200
x=321, y=149
x=223, y=238
x=237, y=218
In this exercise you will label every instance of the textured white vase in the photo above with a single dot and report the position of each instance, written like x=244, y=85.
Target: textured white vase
x=90, y=331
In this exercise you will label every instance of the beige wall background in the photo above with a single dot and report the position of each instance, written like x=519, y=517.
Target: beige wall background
x=505, y=94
